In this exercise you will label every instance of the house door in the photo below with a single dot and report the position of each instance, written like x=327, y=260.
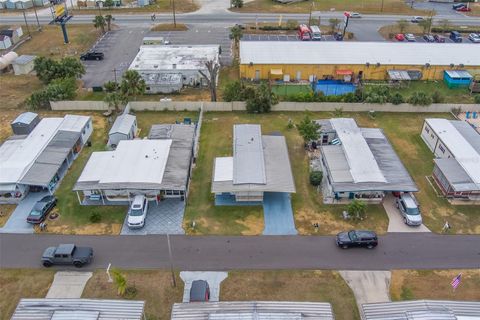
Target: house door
x=257, y=75
x=351, y=195
x=299, y=76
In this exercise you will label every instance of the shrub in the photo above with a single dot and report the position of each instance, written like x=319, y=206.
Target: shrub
x=476, y=98
x=237, y=91
x=262, y=99
x=420, y=99
x=237, y=3
x=397, y=98
x=58, y=89
x=95, y=217
x=292, y=24
x=316, y=178
x=377, y=94
x=437, y=97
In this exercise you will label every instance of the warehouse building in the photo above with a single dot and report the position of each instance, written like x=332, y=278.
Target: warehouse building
x=359, y=163
x=39, y=160
x=260, y=164
x=359, y=60
x=456, y=146
x=167, y=69
x=156, y=167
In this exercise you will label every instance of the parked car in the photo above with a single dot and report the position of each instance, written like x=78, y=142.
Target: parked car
x=400, y=37
x=67, y=254
x=410, y=37
x=428, y=38
x=338, y=36
x=200, y=291
x=474, y=37
x=316, y=33
x=409, y=209
x=304, y=32
x=92, y=55
x=438, y=38
x=137, y=212
x=464, y=9
x=357, y=238
x=41, y=209
x=355, y=15
x=416, y=19
x=458, y=5
x=455, y=36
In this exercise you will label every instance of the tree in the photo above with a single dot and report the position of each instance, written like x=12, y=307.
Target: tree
x=48, y=69
x=211, y=78
x=445, y=24
x=357, y=208
x=308, y=129
x=108, y=19
x=426, y=24
x=237, y=3
x=70, y=67
x=110, y=86
x=132, y=84
x=262, y=99
x=109, y=3
x=99, y=23
x=120, y=281
x=402, y=25
x=113, y=99
x=236, y=33
x=56, y=90
x=333, y=23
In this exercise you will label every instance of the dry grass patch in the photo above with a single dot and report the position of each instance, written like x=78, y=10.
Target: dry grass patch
x=22, y=283
x=5, y=212
x=389, y=31
x=434, y=284
x=169, y=27
x=181, y=6
x=310, y=286
x=153, y=286
x=15, y=89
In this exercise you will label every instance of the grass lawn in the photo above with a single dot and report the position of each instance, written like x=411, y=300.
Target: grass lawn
x=285, y=90
x=307, y=203
x=159, y=6
x=434, y=284
x=363, y=6
x=5, y=212
x=313, y=286
x=153, y=286
x=22, y=283
x=15, y=89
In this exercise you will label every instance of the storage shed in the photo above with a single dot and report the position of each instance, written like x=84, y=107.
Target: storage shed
x=457, y=78
x=124, y=128
x=23, y=64
x=25, y=123
x=5, y=42
x=14, y=37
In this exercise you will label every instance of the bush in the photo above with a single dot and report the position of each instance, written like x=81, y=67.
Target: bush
x=476, y=98
x=237, y=3
x=377, y=94
x=292, y=24
x=420, y=99
x=316, y=178
x=237, y=91
x=262, y=99
x=58, y=89
x=437, y=97
x=95, y=217
x=397, y=98
x=130, y=292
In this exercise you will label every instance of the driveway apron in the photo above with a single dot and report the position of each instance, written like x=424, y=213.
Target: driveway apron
x=278, y=214
x=17, y=223
x=395, y=219
x=214, y=279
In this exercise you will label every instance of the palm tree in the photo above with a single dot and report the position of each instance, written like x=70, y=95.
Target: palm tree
x=108, y=19
x=132, y=84
x=236, y=34
x=99, y=22
x=402, y=25
x=333, y=22
x=120, y=281
x=113, y=99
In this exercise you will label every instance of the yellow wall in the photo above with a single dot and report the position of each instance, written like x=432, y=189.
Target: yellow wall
x=371, y=72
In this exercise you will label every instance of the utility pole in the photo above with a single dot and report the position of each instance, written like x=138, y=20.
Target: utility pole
x=310, y=15
x=171, y=259
x=36, y=16
x=381, y=10
x=174, y=18
x=25, y=18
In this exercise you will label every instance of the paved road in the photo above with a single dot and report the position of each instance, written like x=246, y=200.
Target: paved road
x=396, y=251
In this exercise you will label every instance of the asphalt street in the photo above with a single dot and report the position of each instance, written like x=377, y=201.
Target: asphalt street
x=395, y=251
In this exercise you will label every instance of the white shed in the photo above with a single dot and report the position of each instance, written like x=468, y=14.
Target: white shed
x=124, y=128
x=23, y=64
x=5, y=42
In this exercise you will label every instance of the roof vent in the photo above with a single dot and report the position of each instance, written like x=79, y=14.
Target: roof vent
x=174, y=66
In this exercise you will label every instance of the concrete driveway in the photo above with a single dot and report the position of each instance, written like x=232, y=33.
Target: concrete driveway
x=278, y=214
x=214, y=279
x=166, y=217
x=395, y=219
x=68, y=284
x=17, y=223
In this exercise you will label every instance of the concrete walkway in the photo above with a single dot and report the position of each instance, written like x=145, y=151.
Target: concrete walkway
x=368, y=286
x=214, y=279
x=395, y=219
x=68, y=284
x=278, y=214
x=17, y=223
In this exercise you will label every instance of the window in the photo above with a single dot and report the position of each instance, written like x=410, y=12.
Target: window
x=427, y=129
x=64, y=256
x=441, y=148
x=57, y=256
x=432, y=136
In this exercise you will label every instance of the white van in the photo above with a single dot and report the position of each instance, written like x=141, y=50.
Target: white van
x=316, y=33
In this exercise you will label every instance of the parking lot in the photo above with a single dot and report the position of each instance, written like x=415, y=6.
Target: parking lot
x=278, y=37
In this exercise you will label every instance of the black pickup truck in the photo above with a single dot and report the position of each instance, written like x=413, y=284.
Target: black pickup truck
x=67, y=254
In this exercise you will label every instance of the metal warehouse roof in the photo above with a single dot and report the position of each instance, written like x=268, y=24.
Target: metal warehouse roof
x=123, y=124
x=252, y=310
x=85, y=309
x=248, y=161
x=422, y=310
x=25, y=117
x=351, y=52
x=343, y=175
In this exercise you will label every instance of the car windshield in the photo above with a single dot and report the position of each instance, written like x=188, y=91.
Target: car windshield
x=39, y=206
x=35, y=213
x=136, y=212
x=352, y=235
x=413, y=211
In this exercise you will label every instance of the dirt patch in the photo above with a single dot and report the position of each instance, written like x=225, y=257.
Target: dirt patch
x=15, y=89
x=5, y=212
x=93, y=229
x=254, y=225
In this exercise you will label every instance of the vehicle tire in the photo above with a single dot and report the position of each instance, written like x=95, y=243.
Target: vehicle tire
x=78, y=264
x=97, y=58
x=405, y=221
x=370, y=246
x=47, y=264
x=344, y=246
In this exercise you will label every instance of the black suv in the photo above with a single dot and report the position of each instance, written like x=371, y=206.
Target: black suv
x=92, y=55
x=357, y=238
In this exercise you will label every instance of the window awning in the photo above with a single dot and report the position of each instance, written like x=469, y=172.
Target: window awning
x=276, y=72
x=344, y=72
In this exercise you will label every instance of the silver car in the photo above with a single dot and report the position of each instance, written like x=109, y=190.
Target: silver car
x=474, y=37
x=409, y=37
x=409, y=209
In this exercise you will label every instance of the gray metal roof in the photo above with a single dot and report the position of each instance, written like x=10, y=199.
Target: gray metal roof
x=279, y=177
x=25, y=117
x=339, y=169
x=421, y=310
x=455, y=174
x=248, y=161
x=123, y=124
x=468, y=132
x=73, y=309
x=252, y=310
x=24, y=59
